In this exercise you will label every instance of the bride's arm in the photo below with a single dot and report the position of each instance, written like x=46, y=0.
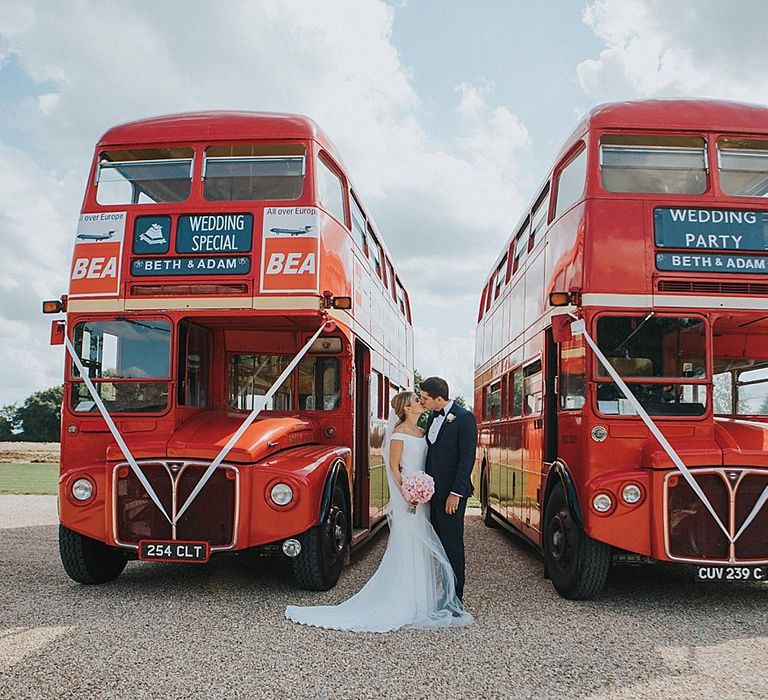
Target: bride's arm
x=395, y=454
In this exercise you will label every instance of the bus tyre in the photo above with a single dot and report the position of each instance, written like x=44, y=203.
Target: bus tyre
x=485, y=509
x=576, y=564
x=89, y=561
x=323, y=548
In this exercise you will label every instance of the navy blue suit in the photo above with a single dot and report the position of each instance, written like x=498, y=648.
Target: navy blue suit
x=449, y=461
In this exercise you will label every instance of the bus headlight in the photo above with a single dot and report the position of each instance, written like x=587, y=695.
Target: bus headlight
x=602, y=503
x=82, y=489
x=281, y=494
x=631, y=494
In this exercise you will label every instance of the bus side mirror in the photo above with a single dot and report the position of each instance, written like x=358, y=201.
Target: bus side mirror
x=561, y=328
x=58, y=329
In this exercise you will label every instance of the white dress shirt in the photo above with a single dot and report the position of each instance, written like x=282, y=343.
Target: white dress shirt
x=434, y=429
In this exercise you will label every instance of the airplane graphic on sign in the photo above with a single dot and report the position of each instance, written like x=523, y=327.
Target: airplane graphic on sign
x=97, y=256
x=291, y=231
x=290, y=264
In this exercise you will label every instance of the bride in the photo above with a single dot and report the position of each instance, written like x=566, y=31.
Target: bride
x=414, y=585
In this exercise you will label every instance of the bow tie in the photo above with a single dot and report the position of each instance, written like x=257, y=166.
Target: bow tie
x=441, y=412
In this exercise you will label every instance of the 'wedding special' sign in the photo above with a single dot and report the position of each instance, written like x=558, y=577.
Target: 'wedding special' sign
x=214, y=233
x=712, y=236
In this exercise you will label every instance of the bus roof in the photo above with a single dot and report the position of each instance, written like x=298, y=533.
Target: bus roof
x=664, y=115
x=710, y=115
x=221, y=125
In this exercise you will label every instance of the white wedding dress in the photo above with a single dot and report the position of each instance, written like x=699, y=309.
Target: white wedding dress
x=414, y=585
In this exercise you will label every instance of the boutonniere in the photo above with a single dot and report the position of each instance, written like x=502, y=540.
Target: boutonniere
x=450, y=417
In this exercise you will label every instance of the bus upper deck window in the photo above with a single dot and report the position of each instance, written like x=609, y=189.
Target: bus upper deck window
x=743, y=165
x=144, y=176
x=653, y=164
x=254, y=172
x=570, y=182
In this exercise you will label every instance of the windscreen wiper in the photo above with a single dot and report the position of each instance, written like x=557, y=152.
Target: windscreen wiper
x=633, y=333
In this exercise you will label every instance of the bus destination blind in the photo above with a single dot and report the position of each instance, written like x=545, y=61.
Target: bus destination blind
x=711, y=240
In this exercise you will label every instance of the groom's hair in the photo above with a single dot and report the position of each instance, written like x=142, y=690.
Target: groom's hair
x=436, y=386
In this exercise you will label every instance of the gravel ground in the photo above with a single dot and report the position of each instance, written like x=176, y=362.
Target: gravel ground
x=218, y=631
x=26, y=511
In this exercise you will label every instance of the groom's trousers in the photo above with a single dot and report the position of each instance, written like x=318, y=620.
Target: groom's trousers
x=450, y=531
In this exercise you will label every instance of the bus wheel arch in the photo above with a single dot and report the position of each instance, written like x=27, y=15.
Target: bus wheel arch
x=89, y=561
x=324, y=546
x=576, y=564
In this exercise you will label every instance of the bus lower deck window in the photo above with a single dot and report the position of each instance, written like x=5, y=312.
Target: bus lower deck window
x=128, y=363
x=251, y=376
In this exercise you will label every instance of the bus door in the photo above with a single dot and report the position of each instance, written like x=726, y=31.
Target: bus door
x=533, y=440
x=377, y=478
x=515, y=474
x=363, y=406
x=549, y=408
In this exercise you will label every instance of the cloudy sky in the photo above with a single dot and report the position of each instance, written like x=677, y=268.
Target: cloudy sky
x=447, y=114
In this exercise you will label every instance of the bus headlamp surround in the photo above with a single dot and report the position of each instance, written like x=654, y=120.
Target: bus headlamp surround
x=281, y=494
x=631, y=494
x=82, y=490
x=603, y=503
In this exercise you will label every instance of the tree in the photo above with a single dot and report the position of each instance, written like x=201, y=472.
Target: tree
x=418, y=379
x=40, y=415
x=8, y=423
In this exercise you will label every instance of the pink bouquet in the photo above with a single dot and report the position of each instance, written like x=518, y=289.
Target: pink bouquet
x=418, y=487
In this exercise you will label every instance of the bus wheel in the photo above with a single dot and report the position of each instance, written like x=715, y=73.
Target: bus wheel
x=485, y=509
x=89, y=561
x=576, y=564
x=323, y=547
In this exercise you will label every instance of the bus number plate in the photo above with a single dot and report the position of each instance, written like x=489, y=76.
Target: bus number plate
x=164, y=550
x=732, y=573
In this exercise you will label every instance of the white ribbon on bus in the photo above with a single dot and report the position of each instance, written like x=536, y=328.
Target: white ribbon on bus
x=260, y=403
x=578, y=327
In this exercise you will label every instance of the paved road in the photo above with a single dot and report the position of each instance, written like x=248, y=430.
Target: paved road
x=218, y=631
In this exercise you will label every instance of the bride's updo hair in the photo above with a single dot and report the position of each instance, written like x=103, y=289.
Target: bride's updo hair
x=399, y=402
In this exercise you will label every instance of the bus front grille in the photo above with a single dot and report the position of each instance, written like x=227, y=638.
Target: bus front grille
x=211, y=518
x=691, y=533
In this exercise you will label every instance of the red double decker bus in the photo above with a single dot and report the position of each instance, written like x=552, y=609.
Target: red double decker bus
x=234, y=329
x=622, y=349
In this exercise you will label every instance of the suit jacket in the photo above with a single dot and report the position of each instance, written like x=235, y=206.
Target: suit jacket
x=451, y=458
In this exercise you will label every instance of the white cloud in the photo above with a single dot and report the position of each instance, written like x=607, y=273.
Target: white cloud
x=657, y=48
x=471, y=102
x=448, y=205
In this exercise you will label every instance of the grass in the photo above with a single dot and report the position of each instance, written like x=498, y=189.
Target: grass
x=33, y=478
x=27, y=477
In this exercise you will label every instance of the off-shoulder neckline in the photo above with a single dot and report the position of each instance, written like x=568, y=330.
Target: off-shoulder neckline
x=418, y=437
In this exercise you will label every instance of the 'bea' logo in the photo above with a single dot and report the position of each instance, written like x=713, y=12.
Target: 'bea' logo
x=291, y=264
x=94, y=268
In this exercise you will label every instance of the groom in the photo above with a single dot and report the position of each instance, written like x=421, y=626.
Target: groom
x=451, y=440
